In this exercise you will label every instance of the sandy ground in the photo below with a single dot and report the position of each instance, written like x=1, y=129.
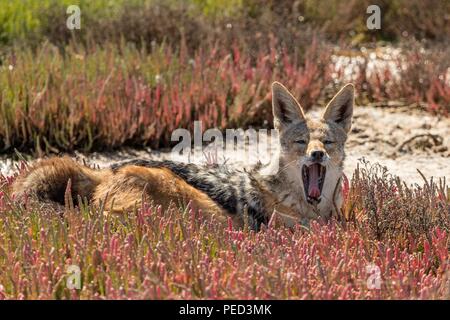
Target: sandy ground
x=402, y=140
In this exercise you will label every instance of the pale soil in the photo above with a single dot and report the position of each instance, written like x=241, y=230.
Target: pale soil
x=402, y=140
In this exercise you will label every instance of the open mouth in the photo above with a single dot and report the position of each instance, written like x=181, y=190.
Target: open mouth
x=313, y=179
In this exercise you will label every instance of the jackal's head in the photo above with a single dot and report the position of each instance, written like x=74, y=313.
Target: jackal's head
x=313, y=149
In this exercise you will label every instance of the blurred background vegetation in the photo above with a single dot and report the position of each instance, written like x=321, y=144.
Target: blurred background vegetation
x=137, y=69
x=31, y=21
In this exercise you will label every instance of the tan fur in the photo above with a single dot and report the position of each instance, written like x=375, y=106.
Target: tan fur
x=120, y=192
x=127, y=188
x=47, y=176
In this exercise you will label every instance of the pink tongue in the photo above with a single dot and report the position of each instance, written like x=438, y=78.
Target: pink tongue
x=313, y=188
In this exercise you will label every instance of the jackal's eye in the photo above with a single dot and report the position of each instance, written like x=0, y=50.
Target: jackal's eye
x=328, y=142
x=300, y=141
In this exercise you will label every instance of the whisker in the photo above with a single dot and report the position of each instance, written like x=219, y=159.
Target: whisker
x=286, y=166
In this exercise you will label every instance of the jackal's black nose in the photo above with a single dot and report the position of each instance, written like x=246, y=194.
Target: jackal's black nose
x=317, y=155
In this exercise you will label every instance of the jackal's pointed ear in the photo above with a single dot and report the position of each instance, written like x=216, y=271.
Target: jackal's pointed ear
x=340, y=108
x=286, y=108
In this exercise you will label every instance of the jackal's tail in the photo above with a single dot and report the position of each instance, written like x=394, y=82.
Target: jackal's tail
x=48, y=180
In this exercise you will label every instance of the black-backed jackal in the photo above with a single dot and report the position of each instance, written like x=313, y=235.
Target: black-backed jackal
x=306, y=186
